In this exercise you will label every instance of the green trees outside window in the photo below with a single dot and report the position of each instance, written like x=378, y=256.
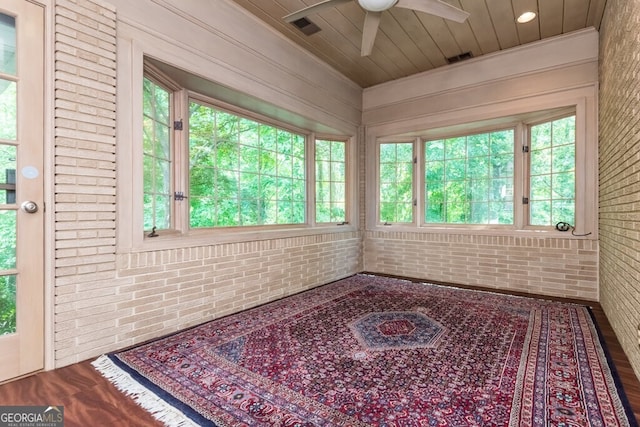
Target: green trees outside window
x=226, y=168
x=396, y=182
x=553, y=167
x=331, y=185
x=487, y=178
x=469, y=179
x=243, y=172
x=157, y=156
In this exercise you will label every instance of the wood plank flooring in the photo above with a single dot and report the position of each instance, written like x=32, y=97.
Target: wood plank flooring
x=90, y=400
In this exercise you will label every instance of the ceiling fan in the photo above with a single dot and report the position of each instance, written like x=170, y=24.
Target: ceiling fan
x=374, y=9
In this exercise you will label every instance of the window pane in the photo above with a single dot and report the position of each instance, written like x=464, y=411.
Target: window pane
x=156, y=156
x=474, y=182
x=8, y=241
x=330, y=181
x=8, y=110
x=396, y=182
x=8, y=164
x=552, y=180
x=8, y=51
x=243, y=172
x=7, y=304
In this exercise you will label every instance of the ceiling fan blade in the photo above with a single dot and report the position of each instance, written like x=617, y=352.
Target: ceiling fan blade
x=369, y=31
x=313, y=9
x=435, y=7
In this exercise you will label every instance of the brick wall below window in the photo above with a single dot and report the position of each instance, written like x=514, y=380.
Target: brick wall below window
x=619, y=152
x=558, y=267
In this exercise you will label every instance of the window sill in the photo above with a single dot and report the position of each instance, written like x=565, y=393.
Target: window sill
x=547, y=233
x=195, y=238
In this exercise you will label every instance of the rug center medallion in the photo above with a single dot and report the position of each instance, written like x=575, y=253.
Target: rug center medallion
x=396, y=330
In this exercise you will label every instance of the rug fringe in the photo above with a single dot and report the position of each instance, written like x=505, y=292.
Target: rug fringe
x=158, y=408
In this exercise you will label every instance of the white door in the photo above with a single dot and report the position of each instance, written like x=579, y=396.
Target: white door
x=21, y=188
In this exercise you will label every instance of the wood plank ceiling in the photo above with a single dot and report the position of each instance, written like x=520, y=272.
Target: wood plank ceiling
x=410, y=42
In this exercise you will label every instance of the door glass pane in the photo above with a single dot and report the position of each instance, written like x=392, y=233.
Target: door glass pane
x=7, y=174
x=7, y=44
x=8, y=110
x=7, y=239
x=7, y=304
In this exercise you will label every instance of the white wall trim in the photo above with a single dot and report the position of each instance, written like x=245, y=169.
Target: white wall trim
x=548, y=54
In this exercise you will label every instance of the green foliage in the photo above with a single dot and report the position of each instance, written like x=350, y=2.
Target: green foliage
x=156, y=156
x=469, y=179
x=396, y=182
x=7, y=261
x=7, y=304
x=243, y=172
x=552, y=194
x=330, y=181
x=8, y=110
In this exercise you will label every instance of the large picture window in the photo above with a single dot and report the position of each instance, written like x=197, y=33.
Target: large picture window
x=469, y=179
x=243, y=172
x=209, y=165
x=515, y=176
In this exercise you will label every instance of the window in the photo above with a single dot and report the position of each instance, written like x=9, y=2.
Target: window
x=331, y=181
x=396, y=182
x=469, y=179
x=218, y=167
x=516, y=176
x=553, y=166
x=243, y=172
x=157, y=156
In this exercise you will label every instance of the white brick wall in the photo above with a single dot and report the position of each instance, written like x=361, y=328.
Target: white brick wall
x=620, y=173
x=105, y=301
x=558, y=267
x=85, y=94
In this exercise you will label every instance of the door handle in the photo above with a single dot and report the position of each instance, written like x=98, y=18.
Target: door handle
x=29, y=206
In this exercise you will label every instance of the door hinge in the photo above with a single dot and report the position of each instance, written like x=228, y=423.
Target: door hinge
x=179, y=196
x=177, y=125
x=525, y=200
x=525, y=148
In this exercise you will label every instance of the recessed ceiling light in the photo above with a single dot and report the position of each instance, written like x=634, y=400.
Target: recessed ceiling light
x=526, y=17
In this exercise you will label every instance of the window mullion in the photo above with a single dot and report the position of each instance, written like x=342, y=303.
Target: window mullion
x=180, y=179
x=419, y=182
x=521, y=176
x=310, y=158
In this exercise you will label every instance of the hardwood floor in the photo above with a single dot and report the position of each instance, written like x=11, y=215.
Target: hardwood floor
x=90, y=400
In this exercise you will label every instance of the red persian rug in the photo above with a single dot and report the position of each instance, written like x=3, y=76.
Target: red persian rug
x=377, y=351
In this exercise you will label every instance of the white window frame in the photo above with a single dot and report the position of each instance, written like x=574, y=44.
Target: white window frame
x=518, y=177
x=415, y=180
x=350, y=182
x=131, y=236
x=494, y=117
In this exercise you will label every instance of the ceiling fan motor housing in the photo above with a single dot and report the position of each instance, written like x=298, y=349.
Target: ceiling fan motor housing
x=377, y=5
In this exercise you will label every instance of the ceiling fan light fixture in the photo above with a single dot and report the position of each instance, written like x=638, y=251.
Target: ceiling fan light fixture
x=526, y=17
x=376, y=5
